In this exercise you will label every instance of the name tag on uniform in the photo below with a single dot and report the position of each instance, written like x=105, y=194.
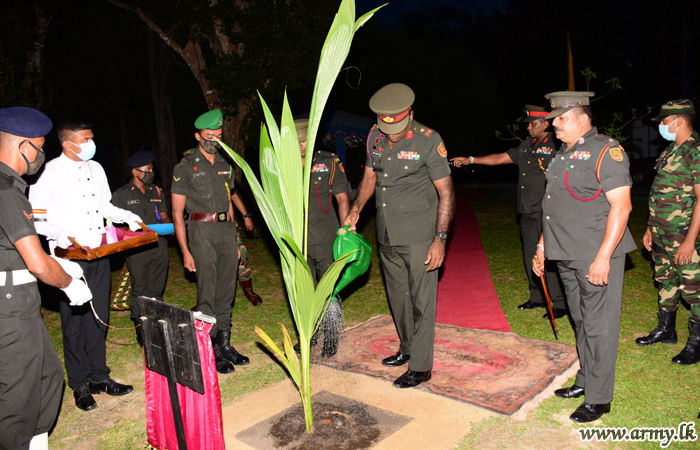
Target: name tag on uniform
x=581, y=155
x=319, y=168
x=544, y=151
x=408, y=155
x=198, y=174
x=132, y=202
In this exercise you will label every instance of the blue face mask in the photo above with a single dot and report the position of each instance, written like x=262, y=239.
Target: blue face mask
x=663, y=130
x=87, y=150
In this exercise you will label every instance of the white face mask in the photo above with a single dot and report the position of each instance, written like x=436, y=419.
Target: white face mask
x=663, y=130
x=87, y=150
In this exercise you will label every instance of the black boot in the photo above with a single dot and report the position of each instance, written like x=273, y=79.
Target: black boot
x=691, y=353
x=664, y=332
x=223, y=365
x=228, y=352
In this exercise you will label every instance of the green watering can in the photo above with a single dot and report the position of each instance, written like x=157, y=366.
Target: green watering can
x=358, y=263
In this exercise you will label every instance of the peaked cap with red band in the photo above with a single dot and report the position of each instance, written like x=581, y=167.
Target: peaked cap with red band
x=534, y=113
x=392, y=105
x=563, y=101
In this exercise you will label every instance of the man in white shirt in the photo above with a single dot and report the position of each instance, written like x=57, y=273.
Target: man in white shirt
x=72, y=198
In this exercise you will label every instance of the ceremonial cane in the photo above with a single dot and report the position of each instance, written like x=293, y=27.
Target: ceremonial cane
x=549, y=300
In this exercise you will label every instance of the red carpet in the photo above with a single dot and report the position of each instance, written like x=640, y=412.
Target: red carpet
x=499, y=371
x=466, y=295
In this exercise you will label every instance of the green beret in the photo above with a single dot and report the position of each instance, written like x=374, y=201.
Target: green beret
x=212, y=120
x=302, y=126
x=392, y=105
x=534, y=113
x=675, y=107
x=563, y=101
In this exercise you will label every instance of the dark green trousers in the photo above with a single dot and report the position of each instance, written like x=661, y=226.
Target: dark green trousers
x=412, y=296
x=149, y=271
x=319, y=257
x=595, y=311
x=530, y=232
x=213, y=247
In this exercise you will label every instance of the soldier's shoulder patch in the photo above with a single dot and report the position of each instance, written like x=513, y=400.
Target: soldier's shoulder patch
x=616, y=153
x=442, y=150
x=340, y=166
x=29, y=216
x=188, y=152
x=424, y=131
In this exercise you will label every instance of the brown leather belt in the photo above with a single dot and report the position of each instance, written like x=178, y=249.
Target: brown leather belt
x=209, y=217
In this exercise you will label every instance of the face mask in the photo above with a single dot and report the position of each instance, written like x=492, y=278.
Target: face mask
x=147, y=177
x=87, y=150
x=210, y=147
x=34, y=166
x=663, y=130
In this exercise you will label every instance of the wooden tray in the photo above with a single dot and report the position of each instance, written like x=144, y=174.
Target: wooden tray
x=88, y=254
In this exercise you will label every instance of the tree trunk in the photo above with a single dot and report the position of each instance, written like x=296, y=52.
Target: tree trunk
x=33, y=86
x=159, y=59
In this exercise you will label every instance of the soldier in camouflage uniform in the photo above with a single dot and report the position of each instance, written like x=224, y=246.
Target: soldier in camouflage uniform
x=673, y=226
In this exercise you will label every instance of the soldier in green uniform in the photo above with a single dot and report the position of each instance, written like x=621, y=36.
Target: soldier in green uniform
x=407, y=171
x=149, y=267
x=674, y=223
x=327, y=180
x=202, y=184
x=585, y=212
x=532, y=157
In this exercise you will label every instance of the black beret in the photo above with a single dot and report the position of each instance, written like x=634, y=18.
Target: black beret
x=140, y=159
x=25, y=122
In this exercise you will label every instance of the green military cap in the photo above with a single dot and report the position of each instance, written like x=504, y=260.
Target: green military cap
x=563, y=101
x=302, y=126
x=212, y=120
x=392, y=105
x=534, y=113
x=675, y=107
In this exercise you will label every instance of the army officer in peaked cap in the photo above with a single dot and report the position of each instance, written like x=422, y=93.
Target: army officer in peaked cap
x=532, y=157
x=407, y=171
x=202, y=184
x=149, y=267
x=585, y=211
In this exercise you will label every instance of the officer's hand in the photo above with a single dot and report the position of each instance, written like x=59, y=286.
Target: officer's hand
x=188, y=262
x=460, y=161
x=436, y=255
x=133, y=221
x=248, y=222
x=598, y=272
x=71, y=268
x=78, y=293
x=646, y=240
x=684, y=254
x=538, y=263
x=62, y=238
x=351, y=219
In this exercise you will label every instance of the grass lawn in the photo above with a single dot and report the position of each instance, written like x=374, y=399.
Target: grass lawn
x=649, y=391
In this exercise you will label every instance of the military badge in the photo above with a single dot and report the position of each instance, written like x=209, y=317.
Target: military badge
x=616, y=153
x=408, y=155
x=340, y=165
x=544, y=151
x=225, y=172
x=442, y=150
x=581, y=155
x=222, y=217
x=410, y=134
x=28, y=216
x=319, y=168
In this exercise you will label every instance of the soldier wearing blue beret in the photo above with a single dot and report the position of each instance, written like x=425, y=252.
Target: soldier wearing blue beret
x=149, y=267
x=31, y=375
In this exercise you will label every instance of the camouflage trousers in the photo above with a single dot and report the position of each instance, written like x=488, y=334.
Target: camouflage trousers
x=676, y=281
x=244, y=273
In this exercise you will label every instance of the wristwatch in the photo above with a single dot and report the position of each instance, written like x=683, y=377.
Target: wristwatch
x=248, y=216
x=442, y=235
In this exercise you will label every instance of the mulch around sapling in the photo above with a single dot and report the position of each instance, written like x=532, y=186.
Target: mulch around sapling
x=340, y=423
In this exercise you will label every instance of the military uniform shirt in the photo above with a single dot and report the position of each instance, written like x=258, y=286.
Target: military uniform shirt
x=672, y=198
x=574, y=229
x=142, y=204
x=406, y=198
x=207, y=187
x=532, y=160
x=323, y=220
x=16, y=220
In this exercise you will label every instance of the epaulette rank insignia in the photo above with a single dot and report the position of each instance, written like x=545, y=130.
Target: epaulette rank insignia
x=408, y=155
x=616, y=153
x=319, y=168
x=581, y=155
x=423, y=131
